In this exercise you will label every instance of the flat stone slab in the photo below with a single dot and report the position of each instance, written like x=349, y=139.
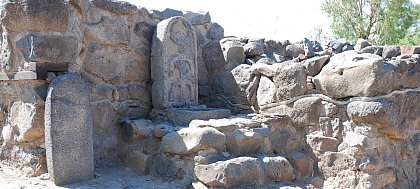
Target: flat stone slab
x=68, y=130
x=183, y=116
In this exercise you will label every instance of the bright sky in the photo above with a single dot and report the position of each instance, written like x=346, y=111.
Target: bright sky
x=275, y=19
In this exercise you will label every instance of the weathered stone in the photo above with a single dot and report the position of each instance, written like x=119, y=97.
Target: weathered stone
x=216, y=32
x=311, y=47
x=330, y=127
x=302, y=163
x=393, y=116
x=242, y=171
x=266, y=92
x=226, y=83
x=408, y=71
x=293, y=51
x=225, y=126
x=26, y=122
x=167, y=13
x=197, y=18
x=137, y=161
x=332, y=163
x=391, y=51
x=244, y=142
x=350, y=74
x=108, y=32
x=274, y=50
x=233, y=52
x=36, y=48
x=372, y=50
x=253, y=49
x=190, y=140
x=213, y=56
x=174, y=64
x=361, y=43
x=305, y=112
x=36, y=15
x=117, y=7
x=5, y=53
x=278, y=169
x=246, y=122
x=68, y=130
x=183, y=116
x=117, y=65
x=321, y=143
x=137, y=129
x=290, y=80
x=410, y=49
x=314, y=65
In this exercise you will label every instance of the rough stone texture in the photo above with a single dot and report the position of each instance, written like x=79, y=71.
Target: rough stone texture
x=244, y=142
x=213, y=56
x=391, y=51
x=314, y=65
x=361, y=43
x=274, y=50
x=242, y=171
x=393, y=116
x=56, y=49
x=117, y=65
x=253, y=49
x=108, y=32
x=116, y=7
x=68, y=130
x=183, y=116
x=233, y=52
x=278, y=169
x=190, y=140
x=216, y=32
x=197, y=17
x=293, y=51
x=350, y=74
x=36, y=15
x=25, y=123
x=174, y=64
x=302, y=163
x=372, y=50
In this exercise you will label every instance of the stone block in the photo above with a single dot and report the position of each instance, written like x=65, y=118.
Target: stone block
x=117, y=65
x=68, y=130
x=278, y=169
x=53, y=49
x=183, y=116
x=244, y=142
x=116, y=7
x=36, y=15
x=238, y=172
x=191, y=140
x=108, y=32
x=174, y=64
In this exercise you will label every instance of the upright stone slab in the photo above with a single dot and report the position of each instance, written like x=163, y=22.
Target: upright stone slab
x=68, y=130
x=174, y=64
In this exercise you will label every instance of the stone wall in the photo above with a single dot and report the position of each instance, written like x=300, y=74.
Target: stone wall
x=345, y=116
x=107, y=42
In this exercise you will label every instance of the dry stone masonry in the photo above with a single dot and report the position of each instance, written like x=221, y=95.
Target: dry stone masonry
x=88, y=84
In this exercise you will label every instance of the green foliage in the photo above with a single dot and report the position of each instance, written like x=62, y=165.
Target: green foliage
x=380, y=21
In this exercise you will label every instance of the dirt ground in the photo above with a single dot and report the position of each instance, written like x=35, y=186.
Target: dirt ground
x=109, y=178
